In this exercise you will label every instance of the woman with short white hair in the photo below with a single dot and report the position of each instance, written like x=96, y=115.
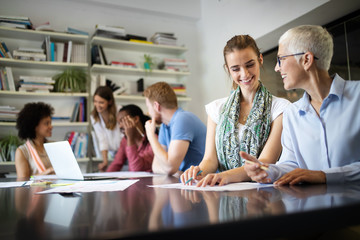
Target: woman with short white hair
x=321, y=131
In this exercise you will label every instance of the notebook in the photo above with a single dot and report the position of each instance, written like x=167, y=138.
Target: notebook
x=64, y=162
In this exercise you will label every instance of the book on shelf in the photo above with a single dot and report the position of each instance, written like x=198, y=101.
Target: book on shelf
x=179, y=89
x=98, y=55
x=44, y=27
x=174, y=64
x=76, y=31
x=105, y=31
x=164, y=39
x=16, y=22
x=78, y=142
x=123, y=64
x=7, y=82
x=4, y=50
x=79, y=111
x=29, y=55
x=8, y=114
x=36, y=84
x=140, y=41
x=68, y=52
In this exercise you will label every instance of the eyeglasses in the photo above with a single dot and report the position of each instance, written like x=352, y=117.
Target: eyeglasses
x=279, y=58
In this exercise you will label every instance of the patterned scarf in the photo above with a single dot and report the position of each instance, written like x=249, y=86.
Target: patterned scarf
x=255, y=132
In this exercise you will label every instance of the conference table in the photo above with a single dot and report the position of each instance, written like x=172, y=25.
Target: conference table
x=141, y=212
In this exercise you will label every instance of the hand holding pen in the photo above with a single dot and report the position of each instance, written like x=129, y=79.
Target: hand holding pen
x=190, y=175
x=255, y=169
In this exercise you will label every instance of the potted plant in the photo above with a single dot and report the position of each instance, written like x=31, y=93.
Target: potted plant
x=8, y=147
x=71, y=80
x=149, y=62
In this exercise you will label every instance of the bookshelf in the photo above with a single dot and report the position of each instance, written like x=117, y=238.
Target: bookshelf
x=126, y=51
x=63, y=103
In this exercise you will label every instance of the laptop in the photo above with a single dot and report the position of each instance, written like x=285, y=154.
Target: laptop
x=64, y=162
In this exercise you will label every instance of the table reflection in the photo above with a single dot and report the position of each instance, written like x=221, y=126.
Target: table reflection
x=141, y=209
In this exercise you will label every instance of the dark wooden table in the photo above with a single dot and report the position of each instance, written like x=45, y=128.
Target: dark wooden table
x=144, y=212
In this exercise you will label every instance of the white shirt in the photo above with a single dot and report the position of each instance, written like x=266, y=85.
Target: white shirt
x=108, y=139
x=214, y=108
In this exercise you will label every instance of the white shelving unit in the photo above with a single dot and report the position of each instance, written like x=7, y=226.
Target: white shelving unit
x=127, y=51
x=63, y=103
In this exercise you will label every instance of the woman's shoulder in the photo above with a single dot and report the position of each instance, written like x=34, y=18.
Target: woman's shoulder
x=278, y=106
x=213, y=108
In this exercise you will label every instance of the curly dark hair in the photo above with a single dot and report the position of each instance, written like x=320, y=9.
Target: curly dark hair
x=29, y=118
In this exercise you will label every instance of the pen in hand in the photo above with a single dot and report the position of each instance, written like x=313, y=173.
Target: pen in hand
x=190, y=179
x=251, y=162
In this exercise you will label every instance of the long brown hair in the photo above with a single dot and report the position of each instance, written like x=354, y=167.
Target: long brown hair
x=240, y=42
x=107, y=94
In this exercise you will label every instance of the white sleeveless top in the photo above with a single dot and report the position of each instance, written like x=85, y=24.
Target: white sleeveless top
x=213, y=109
x=43, y=156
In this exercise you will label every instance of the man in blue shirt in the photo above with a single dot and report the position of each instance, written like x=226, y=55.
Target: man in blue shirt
x=321, y=131
x=182, y=135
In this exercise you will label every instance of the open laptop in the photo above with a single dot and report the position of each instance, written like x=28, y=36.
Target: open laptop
x=64, y=162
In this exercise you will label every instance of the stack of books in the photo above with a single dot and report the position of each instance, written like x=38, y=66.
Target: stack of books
x=174, y=64
x=78, y=142
x=4, y=51
x=64, y=51
x=8, y=114
x=123, y=64
x=36, y=84
x=179, y=89
x=33, y=54
x=7, y=79
x=110, y=32
x=79, y=111
x=16, y=22
x=164, y=39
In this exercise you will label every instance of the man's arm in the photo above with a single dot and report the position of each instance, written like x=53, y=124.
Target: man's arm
x=166, y=162
x=169, y=162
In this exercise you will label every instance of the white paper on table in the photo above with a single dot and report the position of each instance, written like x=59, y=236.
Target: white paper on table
x=120, y=174
x=229, y=187
x=92, y=186
x=14, y=184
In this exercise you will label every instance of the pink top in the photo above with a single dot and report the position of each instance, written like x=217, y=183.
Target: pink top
x=139, y=159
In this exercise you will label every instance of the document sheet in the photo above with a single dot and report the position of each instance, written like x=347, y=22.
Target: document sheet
x=228, y=187
x=92, y=186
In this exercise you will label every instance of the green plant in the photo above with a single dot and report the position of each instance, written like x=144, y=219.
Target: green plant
x=8, y=147
x=71, y=80
x=149, y=62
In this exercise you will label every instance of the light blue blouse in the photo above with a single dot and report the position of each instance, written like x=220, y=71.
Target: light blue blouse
x=329, y=142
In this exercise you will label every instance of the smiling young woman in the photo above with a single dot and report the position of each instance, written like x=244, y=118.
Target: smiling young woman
x=103, y=120
x=249, y=120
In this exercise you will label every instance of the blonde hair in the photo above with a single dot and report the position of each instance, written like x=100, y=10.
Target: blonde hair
x=310, y=38
x=107, y=94
x=162, y=93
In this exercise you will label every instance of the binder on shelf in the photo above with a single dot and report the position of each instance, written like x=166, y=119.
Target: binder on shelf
x=78, y=142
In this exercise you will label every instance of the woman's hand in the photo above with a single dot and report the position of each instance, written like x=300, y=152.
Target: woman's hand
x=211, y=179
x=191, y=173
x=255, y=171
